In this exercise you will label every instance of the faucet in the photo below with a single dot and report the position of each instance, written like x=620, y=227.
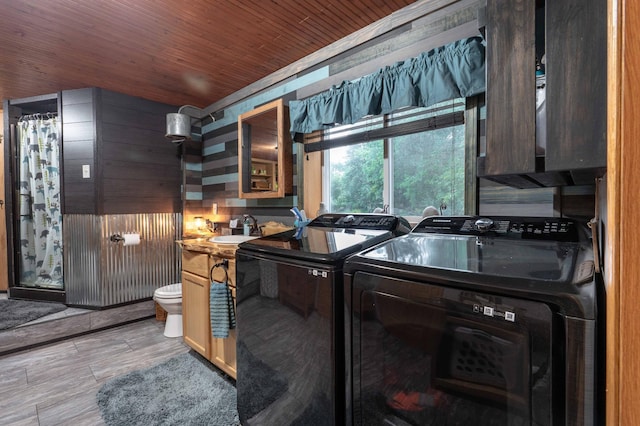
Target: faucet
x=254, y=226
x=211, y=226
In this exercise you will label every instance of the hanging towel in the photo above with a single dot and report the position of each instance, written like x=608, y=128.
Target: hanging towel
x=221, y=311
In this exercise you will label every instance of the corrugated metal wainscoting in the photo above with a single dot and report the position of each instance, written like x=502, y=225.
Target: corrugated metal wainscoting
x=99, y=272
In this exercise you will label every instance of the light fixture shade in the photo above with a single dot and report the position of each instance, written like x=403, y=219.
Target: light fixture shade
x=178, y=126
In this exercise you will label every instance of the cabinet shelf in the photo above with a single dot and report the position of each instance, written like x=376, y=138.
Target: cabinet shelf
x=264, y=179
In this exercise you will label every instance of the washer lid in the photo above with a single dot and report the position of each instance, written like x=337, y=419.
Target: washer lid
x=330, y=238
x=327, y=245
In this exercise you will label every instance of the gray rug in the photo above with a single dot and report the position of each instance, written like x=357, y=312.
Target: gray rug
x=16, y=312
x=185, y=390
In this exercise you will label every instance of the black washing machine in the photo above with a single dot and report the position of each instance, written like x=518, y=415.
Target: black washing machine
x=290, y=313
x=476, y=320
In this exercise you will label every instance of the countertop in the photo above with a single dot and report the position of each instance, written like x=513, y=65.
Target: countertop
x=200, y=242
x=202, y=245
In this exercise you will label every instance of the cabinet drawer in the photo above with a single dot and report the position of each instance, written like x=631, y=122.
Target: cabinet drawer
x=196, y=263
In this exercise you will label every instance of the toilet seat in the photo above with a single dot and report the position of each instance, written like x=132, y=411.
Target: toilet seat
x=170, y=291
x=169, y=298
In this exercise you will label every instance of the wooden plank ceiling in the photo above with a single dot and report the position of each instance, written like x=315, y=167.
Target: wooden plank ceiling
x=181, y=53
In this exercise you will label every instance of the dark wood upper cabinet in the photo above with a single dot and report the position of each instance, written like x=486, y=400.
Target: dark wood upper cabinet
x=572, y=34
x=511, y=103
x=576, y=84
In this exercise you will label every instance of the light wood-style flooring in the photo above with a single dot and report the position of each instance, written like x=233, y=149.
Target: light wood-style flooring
x=68, y=323
x=57, y=384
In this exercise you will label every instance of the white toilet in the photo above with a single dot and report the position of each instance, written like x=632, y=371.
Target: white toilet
x=169, y=298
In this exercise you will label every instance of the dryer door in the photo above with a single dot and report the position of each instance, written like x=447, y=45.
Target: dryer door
x=429, y=355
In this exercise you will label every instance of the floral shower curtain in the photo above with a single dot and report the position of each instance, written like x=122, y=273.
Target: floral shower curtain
x=39, y=203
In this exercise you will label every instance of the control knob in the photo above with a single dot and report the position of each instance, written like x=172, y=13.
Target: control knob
x=484, y=224
x=349, y=219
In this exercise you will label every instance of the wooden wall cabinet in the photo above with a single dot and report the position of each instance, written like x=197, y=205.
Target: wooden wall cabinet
x=265, y=163
x=196, y=266
x=572, y=35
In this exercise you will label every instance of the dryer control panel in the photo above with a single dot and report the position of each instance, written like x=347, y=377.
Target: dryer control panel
x=532, y=228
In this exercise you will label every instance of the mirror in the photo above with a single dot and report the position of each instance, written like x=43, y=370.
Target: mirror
x=264, y=152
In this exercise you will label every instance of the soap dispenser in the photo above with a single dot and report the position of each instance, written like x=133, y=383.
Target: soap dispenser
x=246, y=225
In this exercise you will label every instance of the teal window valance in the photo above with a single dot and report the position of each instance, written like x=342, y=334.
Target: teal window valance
x=452, y=71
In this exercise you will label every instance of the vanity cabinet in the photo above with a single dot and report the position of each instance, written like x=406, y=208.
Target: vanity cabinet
x=197, y=263
x=265, y=158
x=195, y=302
x=223, y=351
x=572, y=35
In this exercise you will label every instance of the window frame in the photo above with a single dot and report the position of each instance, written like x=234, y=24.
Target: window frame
x=472, y=114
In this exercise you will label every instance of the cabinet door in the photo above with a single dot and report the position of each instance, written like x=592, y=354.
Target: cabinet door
x=195, y=313
x=576, y=84
x=511, y=113
x=223, y=351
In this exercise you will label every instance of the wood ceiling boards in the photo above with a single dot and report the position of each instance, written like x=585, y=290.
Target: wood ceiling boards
x=180, y=53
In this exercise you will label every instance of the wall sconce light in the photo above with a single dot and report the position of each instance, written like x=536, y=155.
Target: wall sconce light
x=202, y=224
x=179, y=124
x=199, y=222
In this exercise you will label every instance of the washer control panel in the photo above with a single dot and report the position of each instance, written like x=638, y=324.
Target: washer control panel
x=360, y=221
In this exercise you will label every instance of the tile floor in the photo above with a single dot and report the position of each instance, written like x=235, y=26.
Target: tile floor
x=56, y=384
x=70, y=311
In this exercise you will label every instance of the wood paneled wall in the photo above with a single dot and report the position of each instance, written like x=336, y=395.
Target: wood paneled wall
x=220, y=178
x=4, y=272
x=622, y=272
x=139, y=170
x=351, y=58
x=78, y=149
x=133, y=167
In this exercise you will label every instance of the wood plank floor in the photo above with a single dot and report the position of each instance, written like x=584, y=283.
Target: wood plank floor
x=70, y=322
x=57, y=384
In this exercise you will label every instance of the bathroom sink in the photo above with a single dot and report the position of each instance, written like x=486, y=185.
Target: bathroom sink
x=231, y=239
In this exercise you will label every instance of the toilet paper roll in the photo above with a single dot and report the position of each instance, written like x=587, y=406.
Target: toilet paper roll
x=131, y=239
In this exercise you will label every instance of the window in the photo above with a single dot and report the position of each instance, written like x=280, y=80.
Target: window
x=355, y=177
x=404, y=161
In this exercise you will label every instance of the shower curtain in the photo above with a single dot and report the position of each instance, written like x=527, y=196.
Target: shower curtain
x=39, y=202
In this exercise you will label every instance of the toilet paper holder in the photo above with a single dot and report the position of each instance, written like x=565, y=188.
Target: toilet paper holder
x=117, y=238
